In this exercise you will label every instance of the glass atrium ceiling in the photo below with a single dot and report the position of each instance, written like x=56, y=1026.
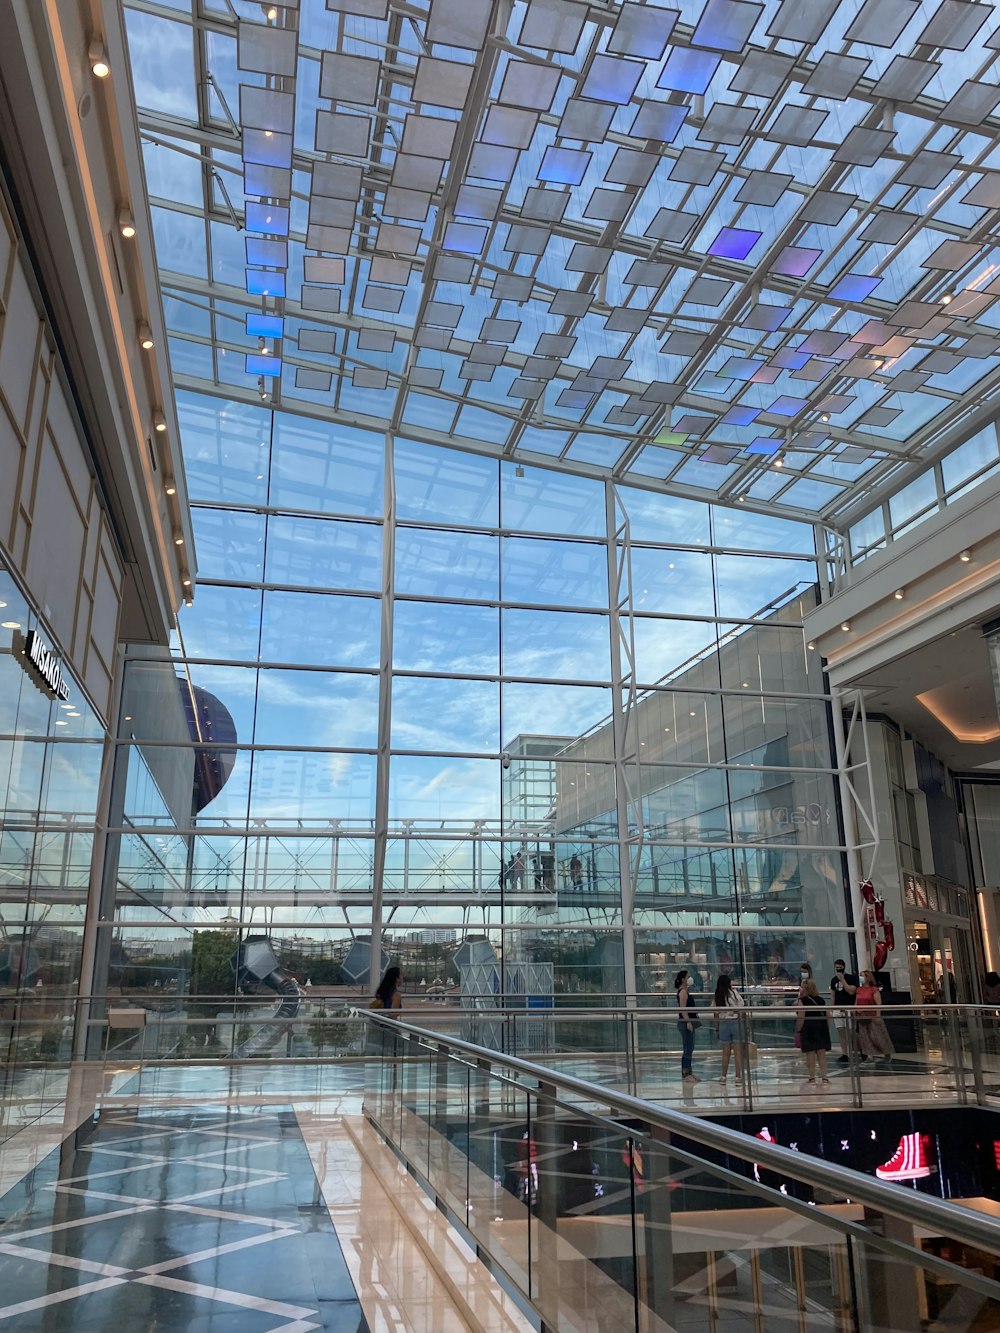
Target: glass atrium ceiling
x=730, y=249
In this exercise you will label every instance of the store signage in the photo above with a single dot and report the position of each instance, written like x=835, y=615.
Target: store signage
x=46, y=665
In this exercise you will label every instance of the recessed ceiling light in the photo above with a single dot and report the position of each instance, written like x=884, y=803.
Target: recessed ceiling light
x=10, y=624
x=3, y=603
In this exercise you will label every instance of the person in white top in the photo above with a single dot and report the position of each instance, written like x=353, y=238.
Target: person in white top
x=728, y=1003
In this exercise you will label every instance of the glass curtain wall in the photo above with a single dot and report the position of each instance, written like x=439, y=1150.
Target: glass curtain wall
x=51, y=752
x=548, y=736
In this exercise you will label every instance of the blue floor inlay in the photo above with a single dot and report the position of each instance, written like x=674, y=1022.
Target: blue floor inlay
x=181, y=1221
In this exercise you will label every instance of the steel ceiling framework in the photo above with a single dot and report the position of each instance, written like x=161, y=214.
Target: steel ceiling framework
x=790, y=303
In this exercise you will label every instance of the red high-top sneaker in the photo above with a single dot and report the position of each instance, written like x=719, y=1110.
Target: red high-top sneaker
x=868, y=891
x=890, y=935
x=912, y=1160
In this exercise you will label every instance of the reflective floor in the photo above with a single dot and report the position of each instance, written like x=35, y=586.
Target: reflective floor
x=228, y=1199
x=198, y=1220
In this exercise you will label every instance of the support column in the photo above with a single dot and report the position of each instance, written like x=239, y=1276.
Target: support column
x=852, y=805
x=628, y=797
x=384, y=711
x=95, y=952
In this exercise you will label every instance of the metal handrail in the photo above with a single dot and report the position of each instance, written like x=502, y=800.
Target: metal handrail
x=936, y=1215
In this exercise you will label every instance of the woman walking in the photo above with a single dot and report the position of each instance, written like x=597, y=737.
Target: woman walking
x=873, y=1037
x=728, y=1003
x=687, y=1022
x=813, y=1029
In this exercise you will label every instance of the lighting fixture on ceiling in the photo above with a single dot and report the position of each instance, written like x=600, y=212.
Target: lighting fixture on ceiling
x=898, y=594
x=811, y=647
x=159, y=422
x=178, y=537
x=741, y=499
x=126, y=223
x=519, y=471
x=946, y=299
x=270, y=12
x=965, y=556
x=186, y=580
x=145, y=337
x=845, y=626
x=98, y=58
x=169, y=485
x=10, y=624
x=189, y=601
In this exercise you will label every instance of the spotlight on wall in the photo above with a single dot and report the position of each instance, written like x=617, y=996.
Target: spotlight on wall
x=898, y=594
x=965, y=556
x=159, y=422
x=126, y=223
x=169, y=485
x=145, y=337
x=98, y=58
x=845, y=626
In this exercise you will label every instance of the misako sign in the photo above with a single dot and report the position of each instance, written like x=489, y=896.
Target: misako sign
x=45, y=665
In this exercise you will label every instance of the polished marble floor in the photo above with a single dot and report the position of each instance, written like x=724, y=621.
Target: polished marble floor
x=207, y=1221
x=246, y=1198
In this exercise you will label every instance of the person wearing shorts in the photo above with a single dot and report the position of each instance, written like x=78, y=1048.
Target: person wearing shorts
x=728, y=1003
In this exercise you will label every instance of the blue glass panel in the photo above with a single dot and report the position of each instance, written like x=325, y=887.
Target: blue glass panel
x=734, y=243
x=786, y=406
x=853, y=287
x=688, y=71
x=564, y=166
x=265, y=284
x=265, y=326
x=740, y=416
x=764, y=444
x=269, y=366
x=269, y=218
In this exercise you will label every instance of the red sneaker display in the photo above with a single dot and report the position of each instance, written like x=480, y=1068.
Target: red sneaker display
x=890, y=935
x=912, y=1160
x=868, y=891
x=879, y=955
x=879, y=906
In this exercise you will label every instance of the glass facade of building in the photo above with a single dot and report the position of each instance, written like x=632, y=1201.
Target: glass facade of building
x=421, y=690
x=51, y=751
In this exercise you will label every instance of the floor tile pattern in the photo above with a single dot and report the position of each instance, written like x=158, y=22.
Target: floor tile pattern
x=181, y=1220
